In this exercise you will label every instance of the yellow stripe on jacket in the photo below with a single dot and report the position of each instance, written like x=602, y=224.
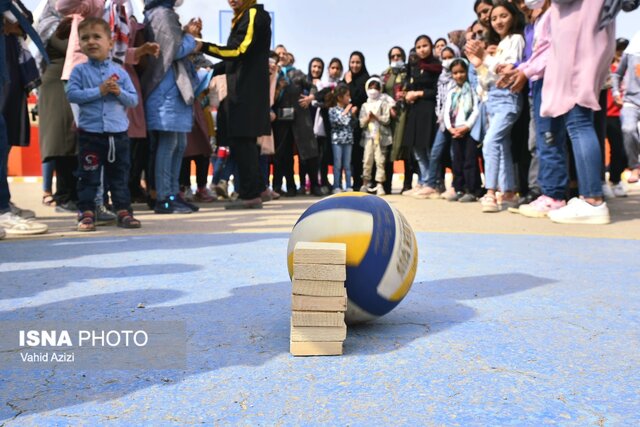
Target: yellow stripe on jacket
x=248, y=38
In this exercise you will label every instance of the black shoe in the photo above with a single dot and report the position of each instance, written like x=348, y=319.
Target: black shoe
x=244, y=204
x=178, y=200
x=317, y=192
x=168, y=206
x=291, y=193
x=68, y=207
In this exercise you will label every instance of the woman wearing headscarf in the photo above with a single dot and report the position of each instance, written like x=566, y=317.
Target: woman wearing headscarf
x=421, y=95
x=394, y=80
x=56, y=137
x=356, y=78
x=168, y=88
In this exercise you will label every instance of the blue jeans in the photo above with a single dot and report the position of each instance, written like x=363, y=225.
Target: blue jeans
x=93, y=157
x=551, y=149
x=170, y=149
x=503, y=108
x=47, y=175
x=223, y=168
x=440, y=144
x=341, y=160
x=5, y=195
x=586, y=150
x=422, y=159
x=630, y=117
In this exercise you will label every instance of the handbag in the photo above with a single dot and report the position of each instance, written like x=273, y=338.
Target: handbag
x=286, y=114
x=318, y=124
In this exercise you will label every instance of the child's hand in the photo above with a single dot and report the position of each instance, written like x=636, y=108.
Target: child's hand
x=354, y=110
x=110, y=86
x=372, y=117
x=461, y=131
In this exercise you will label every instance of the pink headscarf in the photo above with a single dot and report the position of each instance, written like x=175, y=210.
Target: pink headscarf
x=77, y=10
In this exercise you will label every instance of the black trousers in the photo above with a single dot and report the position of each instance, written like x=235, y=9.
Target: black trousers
x=139, y=165
x=66, y=182
x=466, y=173
x=246, y=153
x=283, y=158
x=520, y=147
x=618, y=162
x=326, y=159
x=600, y=126
x=357, y=154
x=110, y=151
x=202, y=171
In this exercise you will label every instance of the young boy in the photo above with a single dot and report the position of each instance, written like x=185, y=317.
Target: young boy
x=104, y=91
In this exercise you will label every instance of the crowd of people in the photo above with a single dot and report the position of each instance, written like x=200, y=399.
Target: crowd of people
x=524, y=98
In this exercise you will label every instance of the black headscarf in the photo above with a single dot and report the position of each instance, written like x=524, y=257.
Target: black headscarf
x=358, y=80
x=316, y=59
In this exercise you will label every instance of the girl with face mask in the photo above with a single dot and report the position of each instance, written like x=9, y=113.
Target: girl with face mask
x=375, y=118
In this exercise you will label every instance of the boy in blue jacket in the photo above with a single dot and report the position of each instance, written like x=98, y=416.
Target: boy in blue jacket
x=104, y=91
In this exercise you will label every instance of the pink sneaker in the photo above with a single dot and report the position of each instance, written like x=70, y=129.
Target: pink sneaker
x=541, y=206
x=426, y=192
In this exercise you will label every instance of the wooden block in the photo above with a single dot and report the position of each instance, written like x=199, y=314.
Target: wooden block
x=317, y=318
x=307, y=303
x=319, y=288
x=316, y=348
x=331, y=272
x=318, y=333
x=320, y=253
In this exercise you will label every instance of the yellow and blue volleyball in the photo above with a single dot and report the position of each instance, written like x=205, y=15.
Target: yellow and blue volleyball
x=382, y=252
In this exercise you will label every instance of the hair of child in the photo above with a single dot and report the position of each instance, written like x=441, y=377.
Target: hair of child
x=91, y=22
x=331, y=100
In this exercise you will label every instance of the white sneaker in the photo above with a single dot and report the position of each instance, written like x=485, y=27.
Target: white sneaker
x=336, y=191
x=579, y=211
x=380, y=190
x=364, y=188
x=619, y=190
x=14, y=225
x=607, y=192
x=22, y=213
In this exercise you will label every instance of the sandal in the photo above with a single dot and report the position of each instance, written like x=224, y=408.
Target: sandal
x=86, y=221
x=126, y=220
x=48, y=200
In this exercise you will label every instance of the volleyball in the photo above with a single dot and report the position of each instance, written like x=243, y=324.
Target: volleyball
x=382, y=252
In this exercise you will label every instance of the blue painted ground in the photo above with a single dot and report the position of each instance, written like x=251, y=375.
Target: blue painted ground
x=497, y=330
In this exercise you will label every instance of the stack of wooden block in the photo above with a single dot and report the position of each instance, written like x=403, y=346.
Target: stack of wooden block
x=319, y=299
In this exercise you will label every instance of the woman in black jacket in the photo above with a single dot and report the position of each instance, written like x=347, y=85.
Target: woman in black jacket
x=356, y=78
x=246, y=64
x=421, y=125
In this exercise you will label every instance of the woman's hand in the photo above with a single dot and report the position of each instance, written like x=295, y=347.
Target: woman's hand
x=147, y=49
x=305, y=101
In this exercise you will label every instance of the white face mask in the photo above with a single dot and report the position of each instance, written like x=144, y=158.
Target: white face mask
x=373, y=93
x=397, y=64
x=534, y=4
